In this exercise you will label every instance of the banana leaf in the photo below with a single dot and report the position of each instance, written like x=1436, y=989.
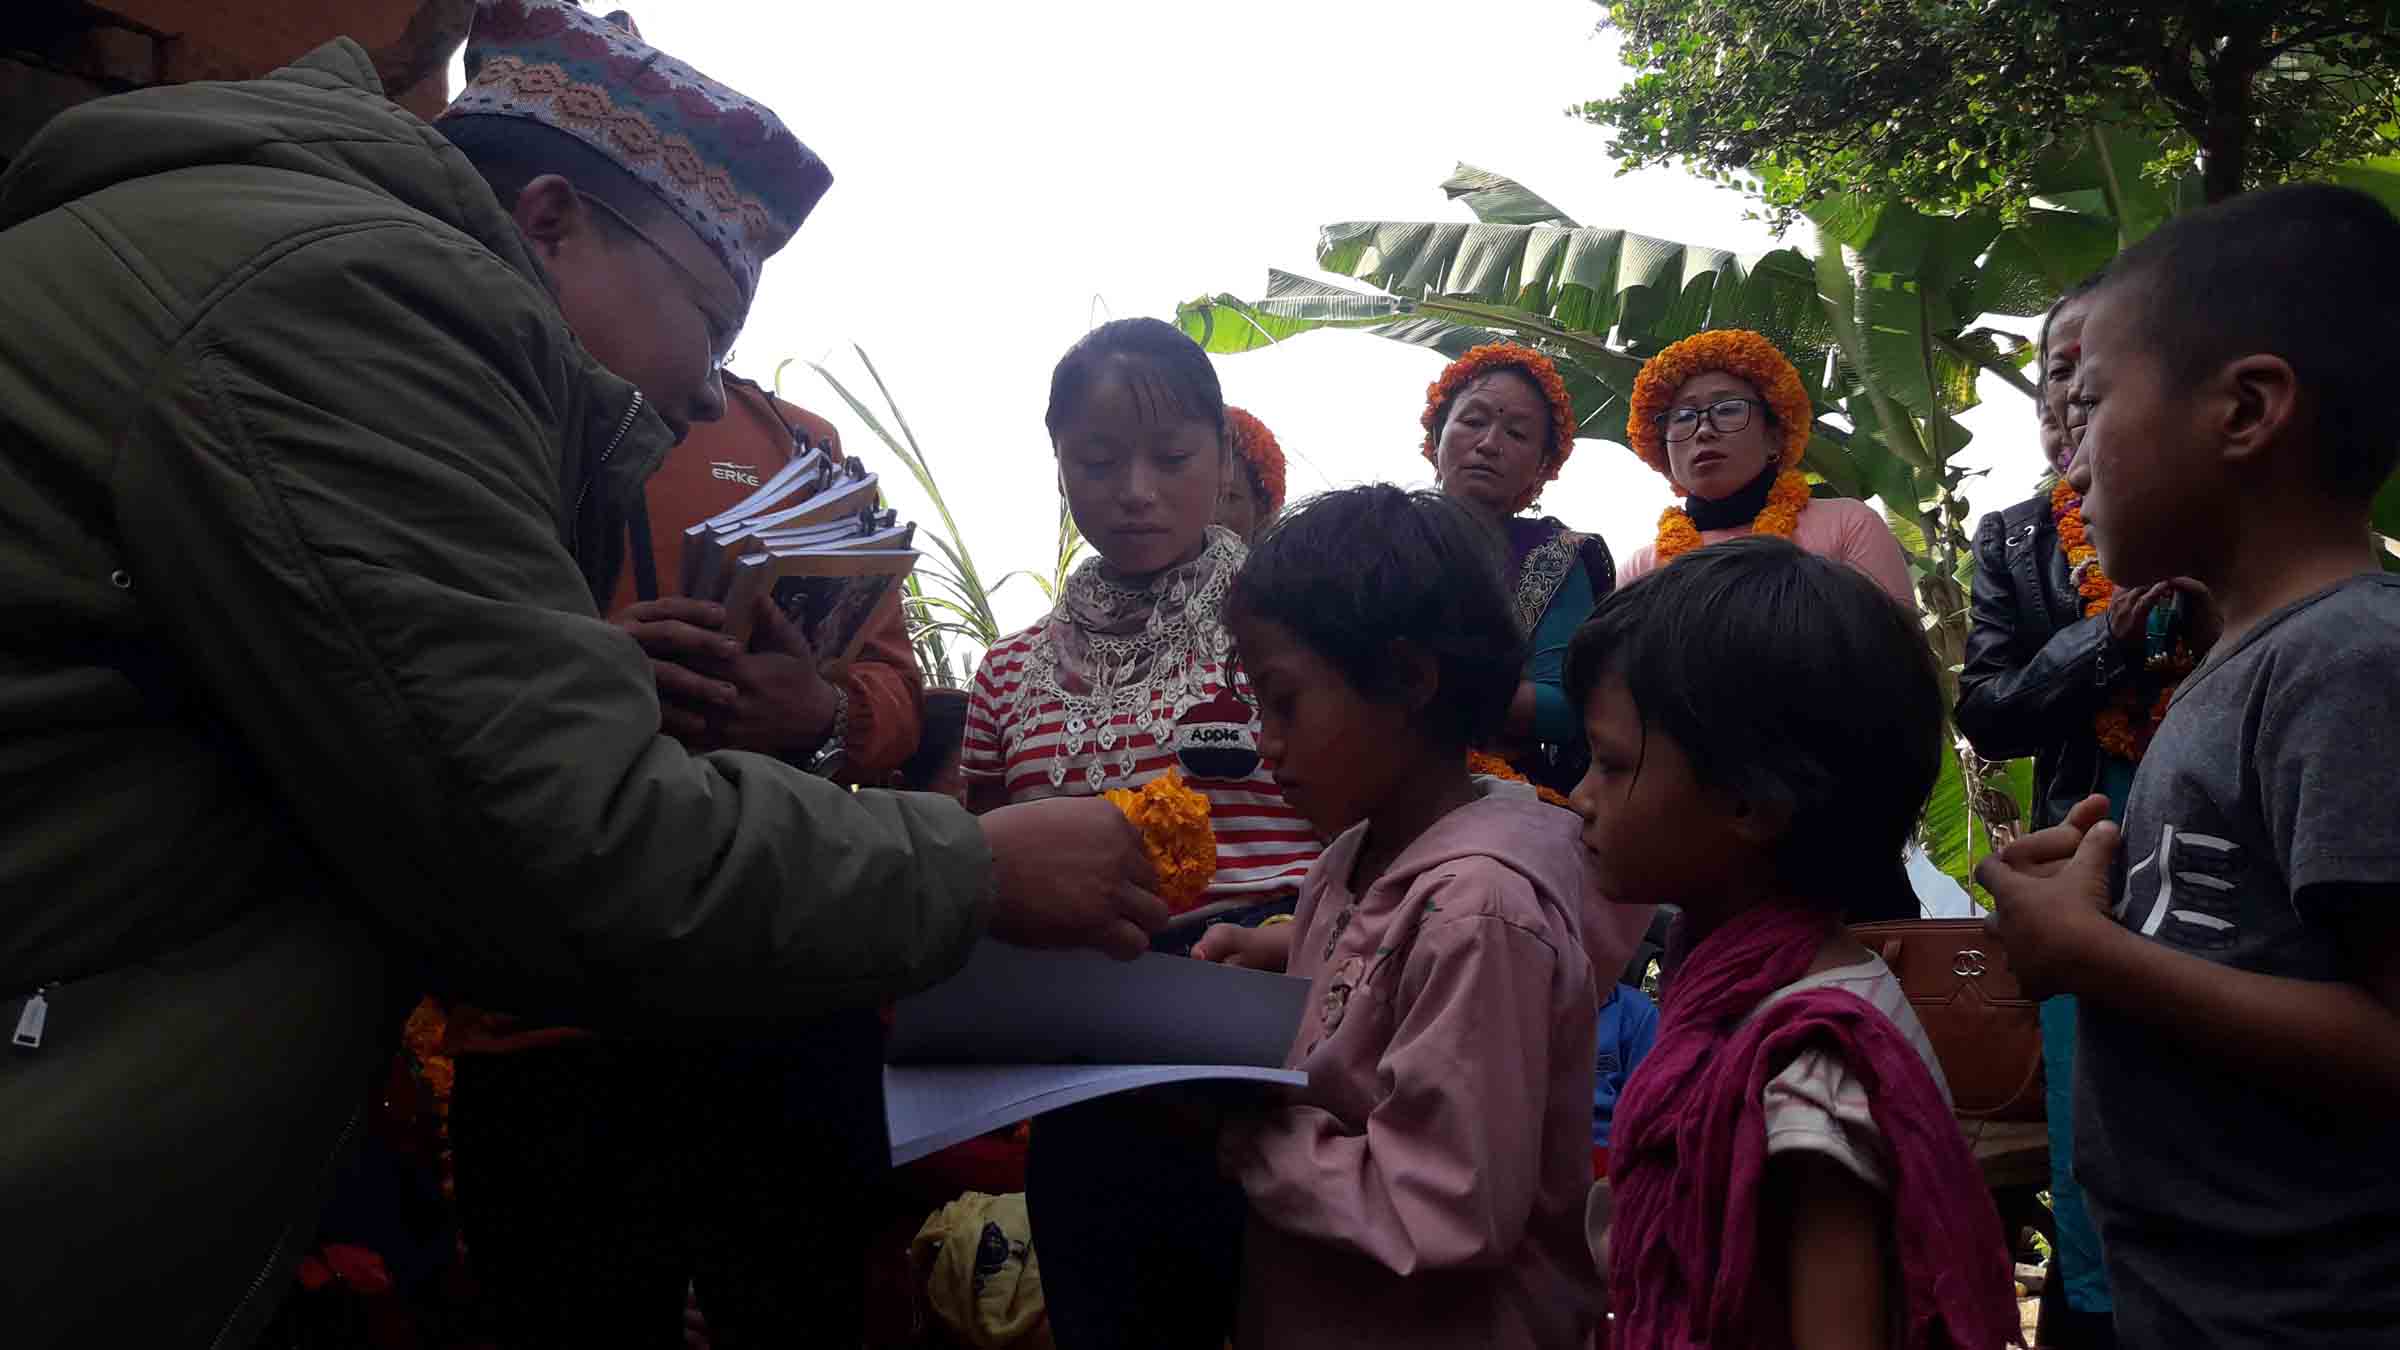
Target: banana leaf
x=1950, y=832
x=1500, y=200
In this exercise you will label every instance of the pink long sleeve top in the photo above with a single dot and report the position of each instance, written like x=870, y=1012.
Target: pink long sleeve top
x=1427, y=1187
x=1830, y=527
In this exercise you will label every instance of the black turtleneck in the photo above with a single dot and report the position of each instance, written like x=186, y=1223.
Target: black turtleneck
x=1739, y=509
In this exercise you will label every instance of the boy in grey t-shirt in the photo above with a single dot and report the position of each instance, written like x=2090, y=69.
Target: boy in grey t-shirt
x=2238, y=960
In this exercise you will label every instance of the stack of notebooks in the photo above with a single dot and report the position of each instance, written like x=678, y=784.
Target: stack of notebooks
x=814, y=538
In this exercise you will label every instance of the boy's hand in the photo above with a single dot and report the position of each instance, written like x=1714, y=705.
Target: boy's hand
x=1070, y=872
x=2129, y=610
x=2051, y=894
x=1267, y=948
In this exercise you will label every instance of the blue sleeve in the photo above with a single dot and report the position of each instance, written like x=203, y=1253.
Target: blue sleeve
x=1641, y=1027
x=1554, y=719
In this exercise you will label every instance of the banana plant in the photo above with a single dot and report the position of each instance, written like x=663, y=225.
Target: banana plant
x=945, y=601
x=1877, y=320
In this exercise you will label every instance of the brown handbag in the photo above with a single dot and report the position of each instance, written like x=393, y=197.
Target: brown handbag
x=1986, y=1033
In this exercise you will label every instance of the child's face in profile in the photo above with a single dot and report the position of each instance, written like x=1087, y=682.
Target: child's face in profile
x=1238, y=506
x=1656, y=833
x=1141, y=478
x=1335, y=752
x=2149, y=494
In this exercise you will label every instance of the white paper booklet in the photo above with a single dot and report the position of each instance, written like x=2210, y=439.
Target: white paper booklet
x=1020, y=1032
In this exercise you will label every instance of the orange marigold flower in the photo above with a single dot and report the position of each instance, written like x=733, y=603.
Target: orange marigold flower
x=1677, y=535
x=1483, y=360
x=1262, y=453
x=1489, y=765
x=1173, y=819
x=423, y=1035
x=2114, y=726
x=1736, y=351
x=358, y=1267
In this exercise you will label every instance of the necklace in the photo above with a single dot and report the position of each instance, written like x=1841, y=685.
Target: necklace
x=1677, y=535
x=1112, y=654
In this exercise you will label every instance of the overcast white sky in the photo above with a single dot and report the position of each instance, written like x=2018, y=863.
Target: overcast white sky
x=1006, y=176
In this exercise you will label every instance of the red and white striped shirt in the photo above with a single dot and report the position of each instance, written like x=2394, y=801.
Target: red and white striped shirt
x=1264, y=847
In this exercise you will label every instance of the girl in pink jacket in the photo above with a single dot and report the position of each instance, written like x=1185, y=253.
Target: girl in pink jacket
x=1427, y=1187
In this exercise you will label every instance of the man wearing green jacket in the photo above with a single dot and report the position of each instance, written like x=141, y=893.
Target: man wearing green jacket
x=311, y=454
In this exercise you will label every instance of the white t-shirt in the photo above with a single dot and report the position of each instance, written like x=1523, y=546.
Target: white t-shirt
x=1815, y=1105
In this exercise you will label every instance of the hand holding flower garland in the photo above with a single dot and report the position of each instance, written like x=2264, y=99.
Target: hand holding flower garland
x=1173, y=820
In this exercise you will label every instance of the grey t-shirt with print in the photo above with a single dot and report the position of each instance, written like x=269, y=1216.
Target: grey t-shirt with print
x=2234, y=1212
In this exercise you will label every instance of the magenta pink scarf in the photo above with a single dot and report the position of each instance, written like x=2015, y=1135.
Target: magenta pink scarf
x=1689, y=1159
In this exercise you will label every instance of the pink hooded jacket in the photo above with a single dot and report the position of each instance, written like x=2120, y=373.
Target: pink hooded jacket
x=1427, y=1187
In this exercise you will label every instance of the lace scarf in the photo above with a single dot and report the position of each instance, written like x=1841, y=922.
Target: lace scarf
x=1110, y=652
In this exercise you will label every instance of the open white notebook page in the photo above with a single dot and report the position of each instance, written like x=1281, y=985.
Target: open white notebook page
x=930, y=1107
x=1019, y=1032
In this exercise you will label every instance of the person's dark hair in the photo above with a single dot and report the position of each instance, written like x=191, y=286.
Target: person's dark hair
x=945, y=729
x=1441, y=415
x=1167, y=369
x=2071, y=294
x=1354, y=571
x=510, y=152
x=1790, y=679
x=2308, y=272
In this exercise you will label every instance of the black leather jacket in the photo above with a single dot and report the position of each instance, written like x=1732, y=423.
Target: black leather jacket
x=2035, y=671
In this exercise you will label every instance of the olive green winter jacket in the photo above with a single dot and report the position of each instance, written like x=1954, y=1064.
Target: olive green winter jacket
x=305, y=491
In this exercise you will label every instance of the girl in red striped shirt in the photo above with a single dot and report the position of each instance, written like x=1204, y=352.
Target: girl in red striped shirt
x=1131, y=675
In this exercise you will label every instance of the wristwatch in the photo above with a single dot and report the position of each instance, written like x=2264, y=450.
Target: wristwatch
x=830, y=752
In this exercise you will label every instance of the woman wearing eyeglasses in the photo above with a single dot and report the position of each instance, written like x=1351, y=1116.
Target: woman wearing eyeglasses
x=1499, y=424
x=1723, y=415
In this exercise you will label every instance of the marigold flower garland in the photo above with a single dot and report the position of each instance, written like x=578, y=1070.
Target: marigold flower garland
x=1735, y=351
x=1677, y=535
x=1483, y=360
x=423, y=1036
x=1173, y=819
x=1263, y=453
x=2114, y=725
x=1489, y=765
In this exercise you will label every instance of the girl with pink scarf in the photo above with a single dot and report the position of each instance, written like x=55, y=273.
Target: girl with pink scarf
x=1765, y=726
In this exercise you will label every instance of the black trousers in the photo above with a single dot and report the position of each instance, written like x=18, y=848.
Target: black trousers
x=597, y=1179
x=1139, y=1238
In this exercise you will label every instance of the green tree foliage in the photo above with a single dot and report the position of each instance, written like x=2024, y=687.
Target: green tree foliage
x=1949, y=106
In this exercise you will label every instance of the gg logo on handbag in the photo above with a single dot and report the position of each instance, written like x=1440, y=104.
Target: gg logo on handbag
x=1985, y=1032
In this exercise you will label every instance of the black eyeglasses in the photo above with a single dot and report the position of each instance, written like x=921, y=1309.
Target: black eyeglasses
x=711, y=314
x=1727, y=415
